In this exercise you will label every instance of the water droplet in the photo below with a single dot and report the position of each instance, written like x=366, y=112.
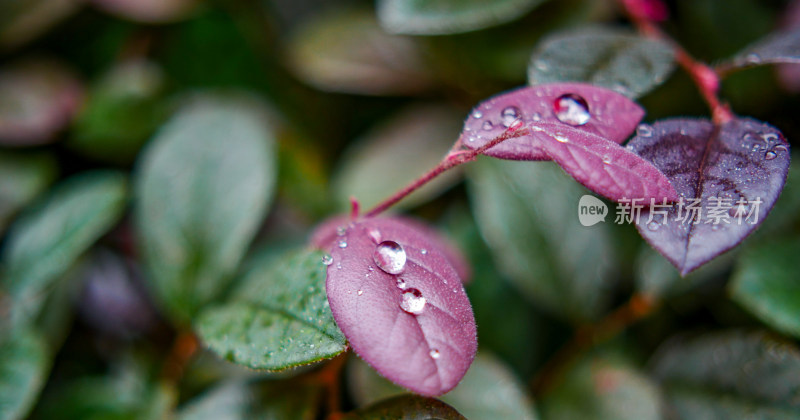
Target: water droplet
x=401, y=284
x=509, y=116
x=390, y=257
x=487, y=125
x=541, y=65
x=571, y=109
x=607, y=160
x=477, y=114
x=536, y=116
x=360, y=292
x=770, y=155
x=653, y=225
x=435, y=354
x=342, y=243
x=423, y=251
x=338, y=266
x=560, y=137
x=412, y=301
x=341, y=230
x=753, y=58
x=644, y=130
x=327, y=259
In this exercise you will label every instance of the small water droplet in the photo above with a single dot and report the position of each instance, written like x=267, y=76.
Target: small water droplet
x=390, y=257
x=510, y=115
x=341, y=230
x=342, y=243
x=753, y=58
x=423, y=251
x=401, y=284
x=770, y=155
x=542, y=65
x=607, y=160
x=487, y=125
x=434, y=353
x=477, y=114
x=571, y=109
x=327, y=259
x=412, y=301
x=536, y=116
x=644, y=130
x=338, y=266
x=653, y=225
x=560, y=137
x=360, y=292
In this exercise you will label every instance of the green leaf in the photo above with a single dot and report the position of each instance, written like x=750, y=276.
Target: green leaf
x=226, y=401
x=488, y=391
x=122, y=110
x=277, y=319
x=766, y=284
x=438, y=17
x=655, y=276
x=407, y=407
x=397, y=152
x=202, y=190
x=603, y=389
x=330, y=53
x=45, y=242
x=528, y=213
x=22, y=178
x=24, y=363
x=619, y=60
x=730, y=375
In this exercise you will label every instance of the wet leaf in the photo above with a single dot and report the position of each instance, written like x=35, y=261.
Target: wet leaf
x=38, y=98
x=737, y=173
x=415, y=326
x=778, y=47
x=147, y=11
x=726, y=374
x=121, y=112
x=45, y=242
x=437, y=17
x=525, y=211
x=346, y=51
x=389, y=157
x=22, y=178
x=473, y=397
x=203, y=185
x=602, y=166
x=765, y=283
x=277, y=319
x=619, y=60
x=407, y=407
x=23, y=370
x=604, y=390
x=576, y=106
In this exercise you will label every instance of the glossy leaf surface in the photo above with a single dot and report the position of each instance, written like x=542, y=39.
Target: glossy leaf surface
x=737, y=173
x=416, y=328
x=602, y=112
x=277, y=319
x=619, y=60
x=778, y=47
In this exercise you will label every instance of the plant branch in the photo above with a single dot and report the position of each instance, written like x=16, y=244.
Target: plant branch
x=456, y=156
x=704, y=77
x=587, y=337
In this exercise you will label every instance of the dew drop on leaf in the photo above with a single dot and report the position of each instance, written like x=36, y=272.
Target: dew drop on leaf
x=509, y=115
x=644, y=130
x=434, y=353
x=770, y=155
x=487, y=125
x=327, y=259
x=342, y=243
x=390, y=257
x=477, y=114
x=571, y=109
x=412, y=301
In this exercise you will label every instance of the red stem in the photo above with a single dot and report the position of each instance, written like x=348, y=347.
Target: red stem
x=706, y=79
x=455, y=157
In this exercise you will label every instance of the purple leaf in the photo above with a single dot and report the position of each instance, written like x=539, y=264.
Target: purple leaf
x=580, y=106
x=602, y=166
x=736, y=171
x=416, y=327
x=325, y=236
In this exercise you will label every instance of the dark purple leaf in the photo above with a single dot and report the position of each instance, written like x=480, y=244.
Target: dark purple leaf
x=580, y=106
x=736, y=171
x=416, y=328
x=325, y=236
x=602, y=166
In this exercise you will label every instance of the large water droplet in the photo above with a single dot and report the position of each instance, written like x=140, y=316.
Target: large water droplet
x=509, y=115
x=327, y=259
x=571, y=109
x=487, y=125
x=390, y=257
x=770, y=155
x=412, y=301
x=434, y=353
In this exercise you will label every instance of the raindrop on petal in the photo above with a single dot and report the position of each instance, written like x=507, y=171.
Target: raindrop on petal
x=571, y=109
x=390, y=257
